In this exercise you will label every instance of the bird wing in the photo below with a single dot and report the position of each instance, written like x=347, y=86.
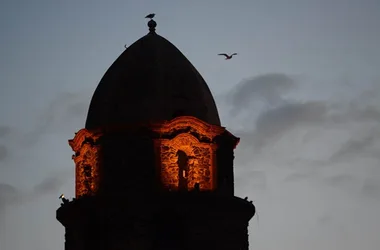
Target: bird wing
x=223, y=54
x=149, y=16
x=234, y=54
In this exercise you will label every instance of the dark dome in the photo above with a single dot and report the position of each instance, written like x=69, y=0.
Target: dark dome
x=151, y=81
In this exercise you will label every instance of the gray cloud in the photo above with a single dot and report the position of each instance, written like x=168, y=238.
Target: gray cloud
x=344, y=181
x=275, y=122
x=9, y=195
x=63, y=109
x=63, y=115
x=290, y=134
x=258, y=179
x=4, y=131
x=354, y=111
x=363, y=146
x=267, y=88
x=294, y=177
x=272, y=124
x=325, y=219
x=3, y=152
x=49, y=184
x=78, y=109
x=371, y=188
x=12, y=196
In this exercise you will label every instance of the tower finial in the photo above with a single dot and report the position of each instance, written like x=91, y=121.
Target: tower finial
x=151, y=24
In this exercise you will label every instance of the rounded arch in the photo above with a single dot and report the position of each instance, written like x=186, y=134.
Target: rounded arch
x=185, y=143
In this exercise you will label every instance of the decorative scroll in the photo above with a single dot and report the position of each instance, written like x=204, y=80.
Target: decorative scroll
x=87, y=162
x=199, y=163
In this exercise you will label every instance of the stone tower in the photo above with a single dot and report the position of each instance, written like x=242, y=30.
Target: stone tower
x=154, y=166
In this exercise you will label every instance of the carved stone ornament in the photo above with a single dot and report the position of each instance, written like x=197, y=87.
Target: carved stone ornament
x=87, y=162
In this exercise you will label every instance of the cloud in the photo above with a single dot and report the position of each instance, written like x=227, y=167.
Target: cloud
x=325, y=219
x=314, y=118
x=273, y=123
x=258, y=179
x=62, y=110
x=9, y=195
x=330, y=142
x=267, y=88
x=363, y=146
x=49, y=184
x=65, y=114
x=359, y=111
x=4, y=131
x=371, y=188
x=3, y=152
x=343, y=180
x=294, y=177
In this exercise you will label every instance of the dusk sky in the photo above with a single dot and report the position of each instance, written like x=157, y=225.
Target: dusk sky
x=303, y=94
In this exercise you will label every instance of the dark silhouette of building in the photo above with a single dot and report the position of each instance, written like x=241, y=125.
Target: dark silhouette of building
x=154, y=166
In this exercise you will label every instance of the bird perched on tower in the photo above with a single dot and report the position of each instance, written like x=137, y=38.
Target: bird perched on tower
x=227, y=56
x=62, y=197
x=150, y=16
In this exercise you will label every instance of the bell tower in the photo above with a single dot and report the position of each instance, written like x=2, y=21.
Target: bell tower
x=154, y=166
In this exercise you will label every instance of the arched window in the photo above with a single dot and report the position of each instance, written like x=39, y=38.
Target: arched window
x=183, y=169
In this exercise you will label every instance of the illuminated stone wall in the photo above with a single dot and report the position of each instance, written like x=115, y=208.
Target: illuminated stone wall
x=201, y=165
x=87, y=162
x=127, y=158
x=200, y=142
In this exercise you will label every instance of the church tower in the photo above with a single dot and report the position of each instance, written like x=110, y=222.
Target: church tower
x=154, y=166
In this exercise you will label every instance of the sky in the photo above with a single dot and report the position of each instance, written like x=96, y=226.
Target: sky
x=303, y=94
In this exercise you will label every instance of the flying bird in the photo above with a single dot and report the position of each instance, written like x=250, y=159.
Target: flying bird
x=227, y=56
x=150, y=15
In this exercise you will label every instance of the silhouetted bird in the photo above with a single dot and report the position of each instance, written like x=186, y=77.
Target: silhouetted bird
x=62, y=197
x=150, y=15
x=227, y=56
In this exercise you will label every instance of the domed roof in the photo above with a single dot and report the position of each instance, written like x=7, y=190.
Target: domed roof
x=151, y=81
